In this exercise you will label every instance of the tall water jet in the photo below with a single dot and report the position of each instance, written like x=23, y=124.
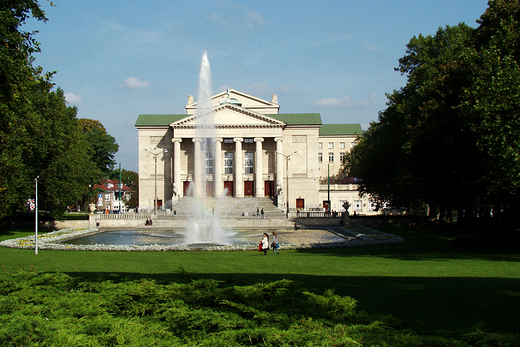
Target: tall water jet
x=204, y=225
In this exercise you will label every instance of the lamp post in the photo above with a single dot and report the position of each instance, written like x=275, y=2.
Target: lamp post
x=155, y=177
x=287, y=158
x=36, y=216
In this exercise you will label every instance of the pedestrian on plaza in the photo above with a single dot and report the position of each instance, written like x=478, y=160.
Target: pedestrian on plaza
x=257, y=211
x=265, y=243
x=262, y=213
x=275, y=244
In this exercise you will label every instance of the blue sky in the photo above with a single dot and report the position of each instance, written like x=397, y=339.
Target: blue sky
x=120, y=58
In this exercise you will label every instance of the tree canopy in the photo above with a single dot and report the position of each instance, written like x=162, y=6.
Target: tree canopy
x=39, y=134
x=450, y=137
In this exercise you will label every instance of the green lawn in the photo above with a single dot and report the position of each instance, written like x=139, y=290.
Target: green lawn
x=425, y=281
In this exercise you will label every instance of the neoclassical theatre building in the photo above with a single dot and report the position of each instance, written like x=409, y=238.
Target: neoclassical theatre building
x=256, y=152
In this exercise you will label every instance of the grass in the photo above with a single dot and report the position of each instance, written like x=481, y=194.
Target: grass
x=426, y=282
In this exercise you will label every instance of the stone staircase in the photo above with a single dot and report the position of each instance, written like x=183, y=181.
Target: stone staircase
x=232, y=212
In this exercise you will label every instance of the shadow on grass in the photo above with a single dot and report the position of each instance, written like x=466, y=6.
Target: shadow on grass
x=425, y=304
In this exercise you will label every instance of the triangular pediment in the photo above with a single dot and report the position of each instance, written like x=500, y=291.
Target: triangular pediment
x=239, y=99
x=229, y=116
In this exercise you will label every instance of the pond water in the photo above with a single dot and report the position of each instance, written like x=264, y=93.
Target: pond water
x=158, y=237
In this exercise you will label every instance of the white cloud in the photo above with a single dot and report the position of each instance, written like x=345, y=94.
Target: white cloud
x=73, y=99
x=255, y=17
x=371, y=48
x=134, y=83
x=345, y=102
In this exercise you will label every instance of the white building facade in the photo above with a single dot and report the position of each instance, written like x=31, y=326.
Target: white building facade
x=241, y=146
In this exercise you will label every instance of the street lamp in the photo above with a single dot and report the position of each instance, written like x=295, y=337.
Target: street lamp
x=287, y=158
x=155, y=178
x=36, y=216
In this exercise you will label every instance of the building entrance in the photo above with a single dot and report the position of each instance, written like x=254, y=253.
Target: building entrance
x=248, y=188
x=269, y=189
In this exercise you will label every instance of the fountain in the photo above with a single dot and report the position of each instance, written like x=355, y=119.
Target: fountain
x=204, y=227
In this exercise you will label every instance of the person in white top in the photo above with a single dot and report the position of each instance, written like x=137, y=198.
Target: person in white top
x=265, y=244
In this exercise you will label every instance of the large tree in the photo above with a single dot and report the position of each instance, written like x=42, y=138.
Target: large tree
x=452, y=133
x=39, y=134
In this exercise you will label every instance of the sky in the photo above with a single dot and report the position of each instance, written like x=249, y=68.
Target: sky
x=120, y=58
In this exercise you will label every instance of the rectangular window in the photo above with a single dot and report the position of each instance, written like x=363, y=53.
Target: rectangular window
x=248, y=140
x=331, y=156
x=331, y=145
x=372, y=206
x=342, y=145
x=341, y=156
x=228, y=162
x=320, y=157
x=107, y=197
x=248, y=163
x=320, y=145
x=228, y=140
x=352, y=144
x=209, y=163
x=358, y=205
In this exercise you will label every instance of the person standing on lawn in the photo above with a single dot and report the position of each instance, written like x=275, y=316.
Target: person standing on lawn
x=265, y=243
x=275, y=244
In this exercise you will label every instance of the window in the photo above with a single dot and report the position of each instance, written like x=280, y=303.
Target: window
x=358, y=205
x=320, y=157
x=107, y=197
x=248, y=163
x=342, y=145
x=228, y=162
x=341, y=156
x=372, y=206
x=331, y=156
x=228, y=140
x=208, y=162
x=248, y=140
x=331, y=145
x=352, y=144
x=320, y=145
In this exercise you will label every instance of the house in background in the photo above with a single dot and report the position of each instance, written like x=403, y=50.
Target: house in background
x=108, y=196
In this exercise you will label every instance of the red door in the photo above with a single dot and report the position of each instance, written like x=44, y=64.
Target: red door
x=186, y=188
x=248, y=188
x=228, y=188
x=300, y=204
x=269, y=188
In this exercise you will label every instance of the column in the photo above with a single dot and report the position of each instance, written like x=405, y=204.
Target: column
x=279, y=171
x=178, y=189
x=217, y=168
x=197, y=168
x=259, y=181
x=239, y=168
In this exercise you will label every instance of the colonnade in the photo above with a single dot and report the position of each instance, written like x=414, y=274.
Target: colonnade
x=218, y=174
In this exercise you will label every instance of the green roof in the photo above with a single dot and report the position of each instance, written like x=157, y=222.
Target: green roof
x=340, y=129
x=158, y=119
x=298, y=118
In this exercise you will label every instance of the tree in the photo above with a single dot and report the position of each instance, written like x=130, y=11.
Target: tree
x=493, y=100
x=17, y=79
x=422, y=146
x=102, y=146
x=131, y=180
x=453, y=132
x=39, y=134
